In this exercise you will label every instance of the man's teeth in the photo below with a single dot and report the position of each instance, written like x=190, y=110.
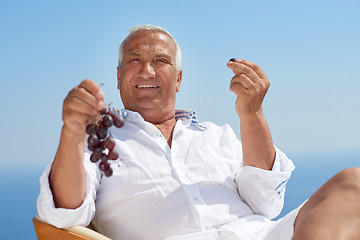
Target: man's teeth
x=146, y=86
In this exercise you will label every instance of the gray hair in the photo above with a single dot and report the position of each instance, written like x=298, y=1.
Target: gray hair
x=139, y=28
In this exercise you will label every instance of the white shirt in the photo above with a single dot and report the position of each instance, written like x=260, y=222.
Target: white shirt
x=156, y=192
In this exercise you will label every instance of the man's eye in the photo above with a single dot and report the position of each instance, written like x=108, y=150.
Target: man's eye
x=162, y=60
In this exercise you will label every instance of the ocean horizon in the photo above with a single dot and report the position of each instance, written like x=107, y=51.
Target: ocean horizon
x=19, y=188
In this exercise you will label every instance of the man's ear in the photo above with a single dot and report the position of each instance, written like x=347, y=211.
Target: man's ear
x=118, y=78
x=178, y=80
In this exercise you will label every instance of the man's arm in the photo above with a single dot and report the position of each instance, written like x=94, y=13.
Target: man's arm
x=67, y=176
x=250, y=84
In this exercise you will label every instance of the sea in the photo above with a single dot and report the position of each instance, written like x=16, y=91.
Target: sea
x=19, y=188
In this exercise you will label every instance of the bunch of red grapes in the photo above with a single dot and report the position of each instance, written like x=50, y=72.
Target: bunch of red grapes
x=100, y=142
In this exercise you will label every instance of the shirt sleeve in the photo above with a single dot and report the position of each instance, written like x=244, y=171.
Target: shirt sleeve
x=61, y=217
x=262, y=190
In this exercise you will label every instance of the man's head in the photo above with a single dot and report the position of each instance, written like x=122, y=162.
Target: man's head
x=148, y=73
x=139, y=28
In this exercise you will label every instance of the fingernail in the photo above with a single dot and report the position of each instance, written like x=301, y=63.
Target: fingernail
x=101, y=105
x=99, y=95
x=235, y=60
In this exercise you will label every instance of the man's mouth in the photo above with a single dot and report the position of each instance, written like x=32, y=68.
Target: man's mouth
x=146, y=86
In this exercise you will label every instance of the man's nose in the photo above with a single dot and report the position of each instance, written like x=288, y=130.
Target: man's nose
x=147, y=70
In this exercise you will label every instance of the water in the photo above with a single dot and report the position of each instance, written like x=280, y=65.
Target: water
x=19, y=189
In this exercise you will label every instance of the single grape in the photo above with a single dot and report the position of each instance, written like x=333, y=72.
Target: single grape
x=93, y=140
x=91, y=128
x=98, y=151
x=103, y=166
x=94, y=158
x=91, y=148
x=108, y=172
x=104, y=158
x=118, y=121
x=109, y=143
x=113, y=155
x=102, y=132
x=108, y=120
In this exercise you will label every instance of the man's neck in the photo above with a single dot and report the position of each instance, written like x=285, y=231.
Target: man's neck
x=164, y=122
x=167, y=128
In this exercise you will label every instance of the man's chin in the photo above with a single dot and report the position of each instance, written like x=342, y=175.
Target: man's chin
x=144, y=106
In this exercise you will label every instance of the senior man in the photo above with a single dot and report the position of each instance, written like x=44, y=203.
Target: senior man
x=178, y=178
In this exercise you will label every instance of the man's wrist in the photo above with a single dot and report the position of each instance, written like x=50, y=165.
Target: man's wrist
x=251, y=116
x=69, y=135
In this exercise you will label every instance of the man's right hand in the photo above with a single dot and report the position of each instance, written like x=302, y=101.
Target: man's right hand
x=67, y=176
x=81, y=107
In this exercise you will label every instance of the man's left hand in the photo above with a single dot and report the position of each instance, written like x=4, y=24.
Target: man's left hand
x=250, y=84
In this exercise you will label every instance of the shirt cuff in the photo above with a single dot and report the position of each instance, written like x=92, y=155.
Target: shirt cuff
x=62, y=217
x=263, y=190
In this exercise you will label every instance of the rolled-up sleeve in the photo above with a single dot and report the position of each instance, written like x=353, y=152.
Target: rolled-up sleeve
x=61, y=217
x=262, y=190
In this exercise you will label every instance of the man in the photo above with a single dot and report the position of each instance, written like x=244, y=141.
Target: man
x=178, y=178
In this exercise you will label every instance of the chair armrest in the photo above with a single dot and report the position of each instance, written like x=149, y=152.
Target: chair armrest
x=45, y=231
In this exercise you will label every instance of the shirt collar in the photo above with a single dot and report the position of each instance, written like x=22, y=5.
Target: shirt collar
x=187, y=115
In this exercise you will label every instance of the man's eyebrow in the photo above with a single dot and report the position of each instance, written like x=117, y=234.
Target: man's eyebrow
x=135, y=54
x=163, y=55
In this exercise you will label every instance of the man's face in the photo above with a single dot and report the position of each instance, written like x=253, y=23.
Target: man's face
x=147, y=77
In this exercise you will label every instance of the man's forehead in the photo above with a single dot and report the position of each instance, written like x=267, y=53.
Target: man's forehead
x=147, y=40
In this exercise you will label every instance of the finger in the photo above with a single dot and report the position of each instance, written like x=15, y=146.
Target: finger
x=77, y=122
x=238, y=89
x=78, y=105
x=76, y=117
x=93, y=88
x=84, y=95
x=80, y=110
x=238, y=67
x=232, y=64
x=243, y=81
x=256, y=68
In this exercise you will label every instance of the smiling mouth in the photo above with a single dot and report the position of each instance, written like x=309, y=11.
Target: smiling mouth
x=146, y=86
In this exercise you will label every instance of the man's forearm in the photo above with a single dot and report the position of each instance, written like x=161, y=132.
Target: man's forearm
x=67, y=176
x=257, y=144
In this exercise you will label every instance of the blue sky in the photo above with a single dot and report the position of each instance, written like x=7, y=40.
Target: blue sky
x=308, y=49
